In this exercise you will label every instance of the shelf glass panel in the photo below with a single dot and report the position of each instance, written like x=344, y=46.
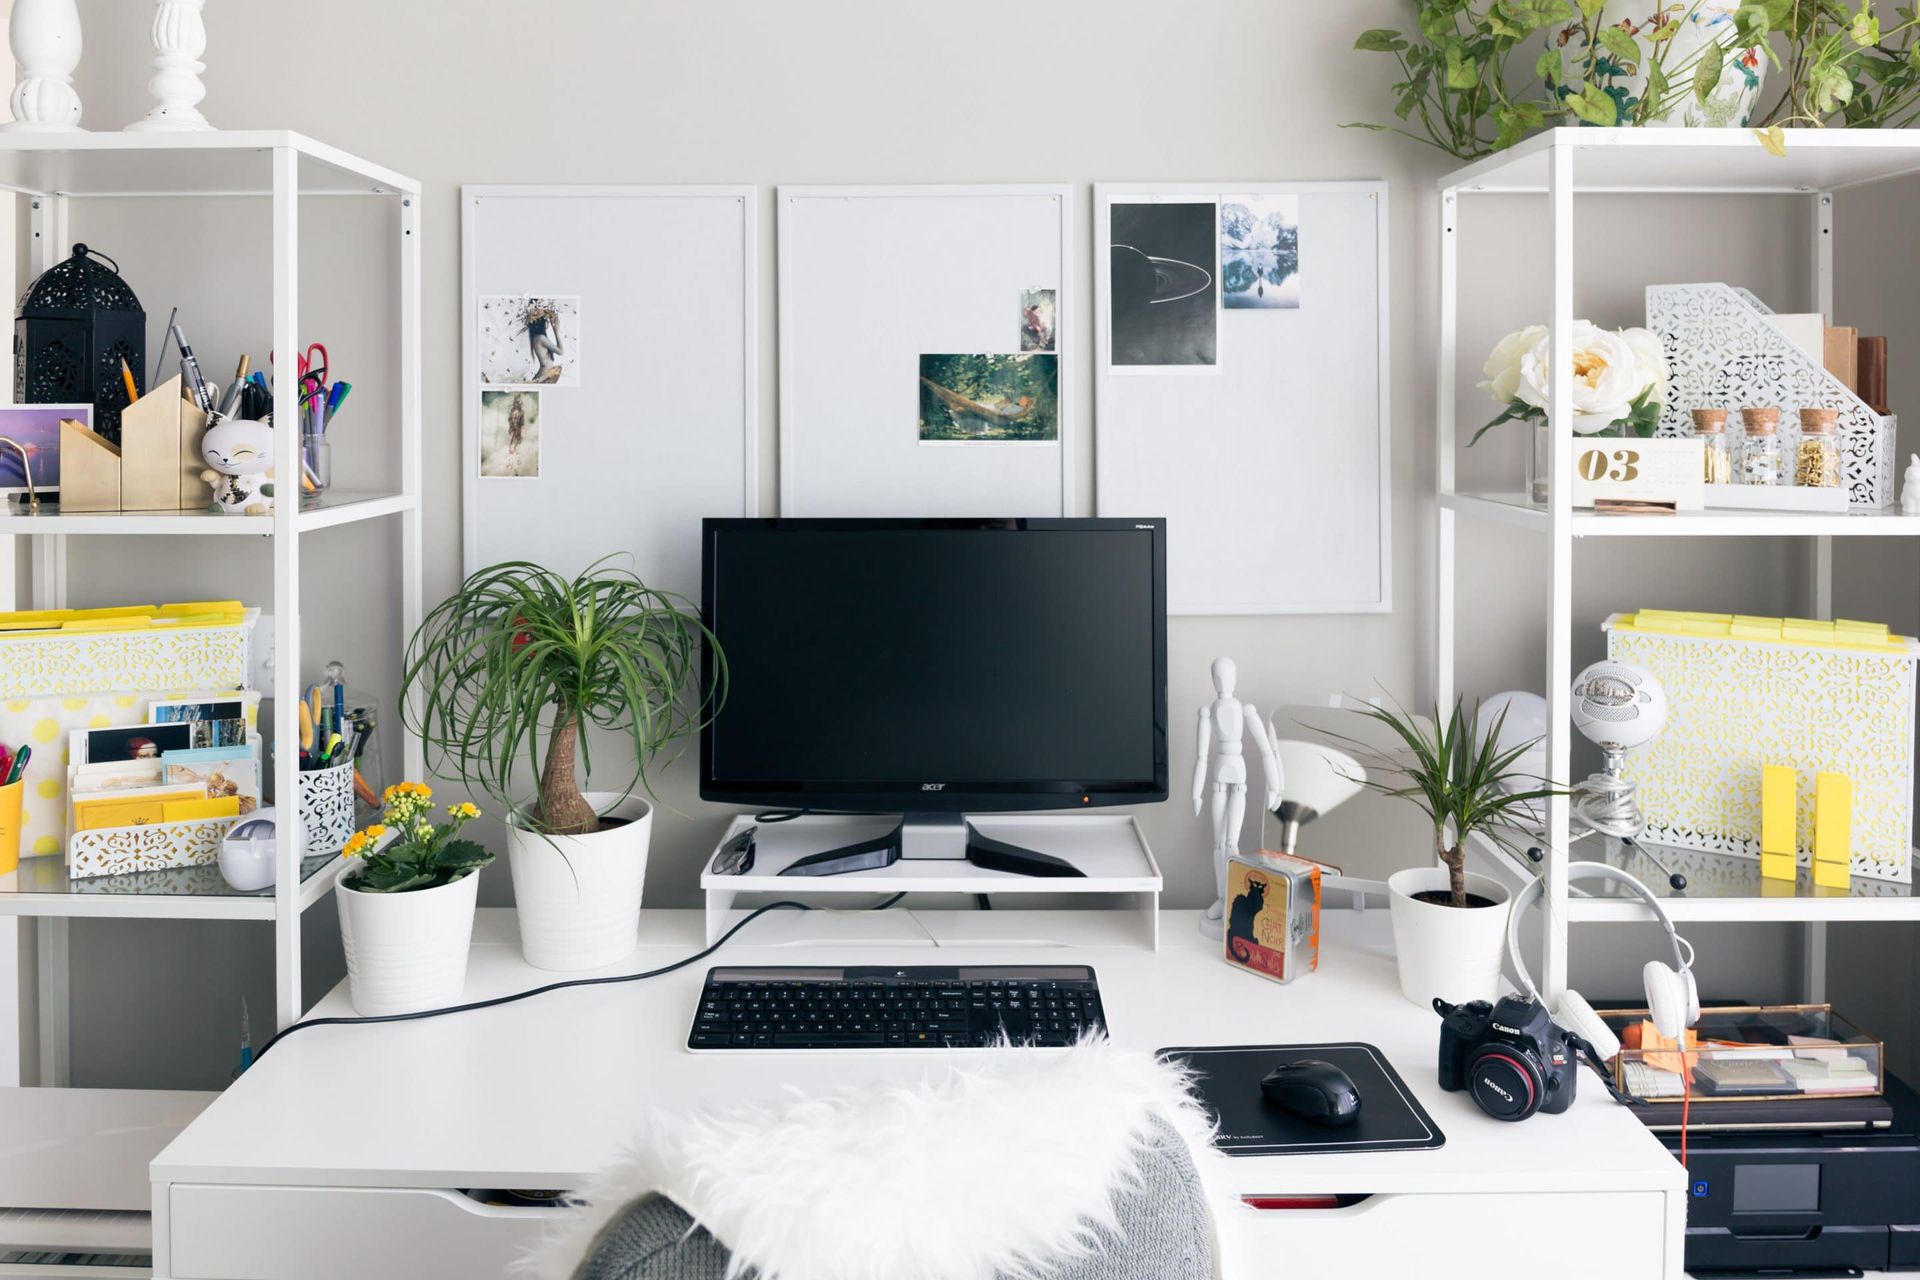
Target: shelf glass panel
x=48, y=874
x=1718, y=876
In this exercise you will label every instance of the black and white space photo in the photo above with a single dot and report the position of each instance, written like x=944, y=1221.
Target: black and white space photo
x=1163, y=294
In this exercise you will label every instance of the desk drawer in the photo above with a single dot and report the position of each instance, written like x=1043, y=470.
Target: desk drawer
x=1586, y=1237
x=325, y=1233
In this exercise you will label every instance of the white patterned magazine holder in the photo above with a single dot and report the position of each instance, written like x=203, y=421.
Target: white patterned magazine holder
x=1723, y=352
x=326, y=807
x=113, y=850
x=162, y=657
x=1735, y=705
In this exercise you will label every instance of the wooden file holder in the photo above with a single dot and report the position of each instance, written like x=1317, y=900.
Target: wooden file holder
x=156, y=466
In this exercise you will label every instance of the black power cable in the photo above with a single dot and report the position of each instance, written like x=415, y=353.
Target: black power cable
x=494, y=1002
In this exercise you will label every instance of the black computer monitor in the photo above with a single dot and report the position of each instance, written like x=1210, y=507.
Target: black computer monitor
x=937, y=666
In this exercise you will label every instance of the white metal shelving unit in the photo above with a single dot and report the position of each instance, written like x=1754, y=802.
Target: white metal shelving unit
x=1563, y=164
x=280, y=169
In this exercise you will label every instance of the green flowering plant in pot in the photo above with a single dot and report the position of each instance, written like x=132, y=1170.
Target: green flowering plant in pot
x=422, y=854
x=406, y=903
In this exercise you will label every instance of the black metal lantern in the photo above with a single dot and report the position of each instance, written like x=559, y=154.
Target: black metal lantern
x=77, y=322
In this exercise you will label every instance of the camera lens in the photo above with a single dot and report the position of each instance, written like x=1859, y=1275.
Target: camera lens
x=1506, y=1087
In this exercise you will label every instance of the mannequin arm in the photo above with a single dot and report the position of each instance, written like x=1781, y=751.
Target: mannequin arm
x=1269, y=762
x=1200, y=758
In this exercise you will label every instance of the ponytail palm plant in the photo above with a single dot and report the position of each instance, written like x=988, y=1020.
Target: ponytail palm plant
x=507, y=673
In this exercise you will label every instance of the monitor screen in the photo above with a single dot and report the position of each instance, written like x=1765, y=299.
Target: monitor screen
x=891, y=665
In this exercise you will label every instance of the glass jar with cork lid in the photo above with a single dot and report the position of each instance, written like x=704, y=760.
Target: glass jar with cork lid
x=1817, y=461
x=1710, y=429
x=1760, y=451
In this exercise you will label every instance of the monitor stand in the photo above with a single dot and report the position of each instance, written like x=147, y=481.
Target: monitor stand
x=933, y=837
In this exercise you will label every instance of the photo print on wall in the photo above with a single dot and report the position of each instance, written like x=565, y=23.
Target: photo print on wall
x=1038, y=316
x=1260, y=252
x=977, y=399
x=510, y=435
x=1162, y=293
x=529, y=340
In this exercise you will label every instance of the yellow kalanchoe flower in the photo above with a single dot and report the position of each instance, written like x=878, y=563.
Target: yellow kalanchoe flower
x=355, y=843
x=465, y=809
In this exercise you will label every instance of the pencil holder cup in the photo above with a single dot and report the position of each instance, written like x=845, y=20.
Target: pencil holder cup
x=10, y=797
x=326, y=807
x=319, y=459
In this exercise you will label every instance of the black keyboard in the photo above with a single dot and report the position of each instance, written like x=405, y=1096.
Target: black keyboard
x=921, y=1007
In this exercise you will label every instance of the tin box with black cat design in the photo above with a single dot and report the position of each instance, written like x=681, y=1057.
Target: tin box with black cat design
x=1273, y=915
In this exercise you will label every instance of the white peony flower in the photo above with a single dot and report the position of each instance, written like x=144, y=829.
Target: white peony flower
x=1653, y=359
x=1607, y=376
x=1503, y=366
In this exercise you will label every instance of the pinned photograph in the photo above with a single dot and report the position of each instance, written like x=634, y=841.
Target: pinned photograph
x=36, y=428
x=136, y=742
x=213, y=722
x=1036, y=319
x=1260, y=252
x=529, y=341
x=510, y=435
x=1163, y=308
x=990, y=399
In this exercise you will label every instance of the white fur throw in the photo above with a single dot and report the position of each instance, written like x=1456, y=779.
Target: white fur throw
x=1000, y=1170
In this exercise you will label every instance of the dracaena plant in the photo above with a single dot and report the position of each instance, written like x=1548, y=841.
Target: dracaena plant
x=507, y=674
x=1465, y=782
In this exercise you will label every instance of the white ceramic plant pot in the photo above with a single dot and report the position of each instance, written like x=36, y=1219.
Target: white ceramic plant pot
x=578, y=897
x=407, y=951
x=1450, y=952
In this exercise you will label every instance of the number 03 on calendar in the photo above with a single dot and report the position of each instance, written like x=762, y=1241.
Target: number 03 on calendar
x=1651, y=471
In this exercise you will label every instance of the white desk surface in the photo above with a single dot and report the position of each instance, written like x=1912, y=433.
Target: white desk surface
x=543, y=1093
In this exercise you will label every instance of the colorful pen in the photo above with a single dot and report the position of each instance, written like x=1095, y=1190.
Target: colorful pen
x=19, y=766
x=133, y=392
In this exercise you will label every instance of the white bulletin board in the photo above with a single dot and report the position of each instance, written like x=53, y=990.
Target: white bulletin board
x=1272, y=470
x=872, y=279
x=650, y=422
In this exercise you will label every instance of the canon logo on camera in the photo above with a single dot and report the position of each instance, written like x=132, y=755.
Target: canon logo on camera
x=1512, y=1031
x=1496, y=1088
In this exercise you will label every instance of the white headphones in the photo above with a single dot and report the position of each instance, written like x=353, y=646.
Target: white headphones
x=1672, y=997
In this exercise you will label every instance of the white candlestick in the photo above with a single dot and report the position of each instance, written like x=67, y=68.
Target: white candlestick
x=179, y=38
x=45, y=36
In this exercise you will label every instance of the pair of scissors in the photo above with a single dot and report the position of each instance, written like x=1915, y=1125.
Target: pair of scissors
x=311, y=366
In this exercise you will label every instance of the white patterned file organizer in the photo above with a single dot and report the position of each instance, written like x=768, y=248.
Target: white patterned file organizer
x=112, y=850
x=1724, y=353
x=1735, y=705
x=145, y=661
x=106, y=851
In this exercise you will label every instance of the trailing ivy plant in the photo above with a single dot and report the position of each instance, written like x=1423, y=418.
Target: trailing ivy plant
x=1453, y=91
x=1464, y=86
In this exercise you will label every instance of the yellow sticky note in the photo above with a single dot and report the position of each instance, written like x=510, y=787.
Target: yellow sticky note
x=1777, y=783
x=1832, y=829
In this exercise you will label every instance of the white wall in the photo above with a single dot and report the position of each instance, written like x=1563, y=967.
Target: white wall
x=489, y=91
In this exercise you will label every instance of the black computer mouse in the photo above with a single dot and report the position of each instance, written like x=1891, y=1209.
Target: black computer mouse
x=1314, y=1090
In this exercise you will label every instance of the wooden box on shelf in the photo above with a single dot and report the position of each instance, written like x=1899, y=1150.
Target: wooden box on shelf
x=160, y=436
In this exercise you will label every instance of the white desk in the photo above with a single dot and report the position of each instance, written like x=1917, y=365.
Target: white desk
x=342, y=1151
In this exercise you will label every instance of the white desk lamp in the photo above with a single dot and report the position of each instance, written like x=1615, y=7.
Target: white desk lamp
x=1319, y=779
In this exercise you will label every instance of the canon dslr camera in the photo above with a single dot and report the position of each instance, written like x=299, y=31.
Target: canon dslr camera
x=1510, y=1056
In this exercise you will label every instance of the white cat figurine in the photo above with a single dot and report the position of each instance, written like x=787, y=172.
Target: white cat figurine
x=240, y=454
x=1910, y=488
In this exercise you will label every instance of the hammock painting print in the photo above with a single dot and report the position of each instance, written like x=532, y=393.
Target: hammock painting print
x=978, y=399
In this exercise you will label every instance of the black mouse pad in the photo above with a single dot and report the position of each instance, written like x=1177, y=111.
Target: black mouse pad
x=1227, y=1080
